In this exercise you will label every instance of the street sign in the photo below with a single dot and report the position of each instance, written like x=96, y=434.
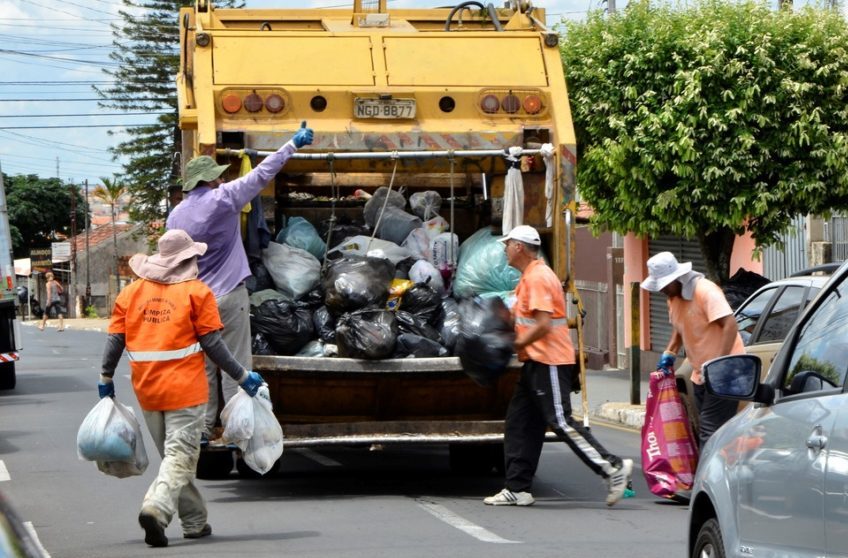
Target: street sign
x=61, y=251
x=40, y=257
x=23, y=267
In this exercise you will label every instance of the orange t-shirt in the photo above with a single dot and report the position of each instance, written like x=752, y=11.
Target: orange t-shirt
x=159, y=317
x=540, y=289
x=695, y=320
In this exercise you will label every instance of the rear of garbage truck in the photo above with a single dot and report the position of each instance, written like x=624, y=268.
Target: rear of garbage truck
x=418, y=100
x=10, y=336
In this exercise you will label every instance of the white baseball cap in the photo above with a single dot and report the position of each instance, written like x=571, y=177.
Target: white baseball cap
x=523, y=233
x=664, y=268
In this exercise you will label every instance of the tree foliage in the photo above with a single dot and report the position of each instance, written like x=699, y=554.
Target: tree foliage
x=39, y=209
x=146, y=45
x=706, y=119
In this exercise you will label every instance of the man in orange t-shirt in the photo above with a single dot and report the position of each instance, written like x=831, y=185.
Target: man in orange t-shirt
x=542, y=397
x=167, y=321
x=703, y=324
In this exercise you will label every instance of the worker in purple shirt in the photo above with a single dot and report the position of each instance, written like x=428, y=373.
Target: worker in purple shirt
x=210, y=213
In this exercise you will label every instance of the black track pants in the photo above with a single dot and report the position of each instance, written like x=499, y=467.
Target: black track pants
x=542, y=398
x=712, y=412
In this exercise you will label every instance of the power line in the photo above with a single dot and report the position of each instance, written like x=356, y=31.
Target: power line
x=63, y=82
x=137, y=99
x=85, y=114
x=58, y=58
x=73, y=126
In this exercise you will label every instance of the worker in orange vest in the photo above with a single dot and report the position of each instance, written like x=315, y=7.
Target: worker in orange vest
x=166, y=322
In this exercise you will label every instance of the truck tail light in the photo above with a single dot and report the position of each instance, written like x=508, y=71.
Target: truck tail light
x=510, y=104
x=231, y=103
x=532, y=104
x=253, y=103
x=275, y=103
x=490, y=104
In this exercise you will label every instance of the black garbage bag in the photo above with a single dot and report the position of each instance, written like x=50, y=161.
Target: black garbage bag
x=396, y=225
x=375, y=203
x=423, y=301
x=35, y=307
x=738, y=288
x=343, y=228
x=486, y=339
x=260, y=345
x=325, y=325
x=356, y=282
x=402, y=268
x=417, y=325
x=314, y=299
x=260, y=279
x=449, y=327
x=369, y=334
x=411, y=345
x=286, y=325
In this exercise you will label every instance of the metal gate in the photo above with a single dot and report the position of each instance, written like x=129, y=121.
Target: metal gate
x=685, y=251
x=779, y=263
x=836, y=233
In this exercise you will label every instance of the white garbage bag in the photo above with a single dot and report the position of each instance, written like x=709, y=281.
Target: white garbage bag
x=260, y=436
x=111, y=436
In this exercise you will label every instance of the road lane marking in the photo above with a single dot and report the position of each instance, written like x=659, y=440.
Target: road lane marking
x=459, y=522
x=4, y=472
x=317, y=457
x=31, y=530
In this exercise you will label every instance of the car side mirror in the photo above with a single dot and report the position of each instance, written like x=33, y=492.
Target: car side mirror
x=736, y=377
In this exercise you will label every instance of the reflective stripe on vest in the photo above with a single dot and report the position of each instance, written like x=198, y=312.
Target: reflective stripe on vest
x=176, y=354
x=531, y=322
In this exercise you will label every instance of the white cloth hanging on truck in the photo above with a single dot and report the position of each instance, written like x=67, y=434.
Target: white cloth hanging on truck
x=547, y=152
x=513, y=209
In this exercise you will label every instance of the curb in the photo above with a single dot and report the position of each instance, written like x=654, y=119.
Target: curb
x=625, y=414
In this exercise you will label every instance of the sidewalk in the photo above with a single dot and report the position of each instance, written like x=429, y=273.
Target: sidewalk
x=609, y=390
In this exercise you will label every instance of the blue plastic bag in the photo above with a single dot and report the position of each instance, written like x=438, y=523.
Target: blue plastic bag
x=299, y=233
x=483, y=269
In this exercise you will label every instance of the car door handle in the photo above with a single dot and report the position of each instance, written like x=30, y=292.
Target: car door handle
x=817, y=441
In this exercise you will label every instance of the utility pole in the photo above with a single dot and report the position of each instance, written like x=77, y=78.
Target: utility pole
x=72, y=282
x=611, y=6
x=87, y=250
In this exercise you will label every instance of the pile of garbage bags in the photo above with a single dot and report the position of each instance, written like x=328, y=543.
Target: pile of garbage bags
x=397, y=285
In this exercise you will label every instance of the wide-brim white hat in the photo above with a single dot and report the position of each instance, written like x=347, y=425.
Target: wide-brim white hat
x=176, y=261
x=664, y=268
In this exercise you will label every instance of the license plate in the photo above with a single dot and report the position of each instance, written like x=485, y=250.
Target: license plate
x=384, y=108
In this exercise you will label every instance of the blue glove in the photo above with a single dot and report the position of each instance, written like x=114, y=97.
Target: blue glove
x=252, y=383
x=666, y=363
x=106, y=389
x=303, y=136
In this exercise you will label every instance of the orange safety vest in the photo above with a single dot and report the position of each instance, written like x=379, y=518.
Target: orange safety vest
x=162, y=324
x=539, y=289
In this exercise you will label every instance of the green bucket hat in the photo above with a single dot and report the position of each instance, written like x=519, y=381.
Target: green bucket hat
x=203, y=168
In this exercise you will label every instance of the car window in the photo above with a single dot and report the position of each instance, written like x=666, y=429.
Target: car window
x=749, y=314
x=818, y=358
x=783, y=314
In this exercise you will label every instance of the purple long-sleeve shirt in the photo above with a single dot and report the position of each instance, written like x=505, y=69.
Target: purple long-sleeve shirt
x=211, y=215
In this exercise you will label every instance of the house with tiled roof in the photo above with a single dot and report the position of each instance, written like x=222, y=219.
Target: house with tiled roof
x=95, y=267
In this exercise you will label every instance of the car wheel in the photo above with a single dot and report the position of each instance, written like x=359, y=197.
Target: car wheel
x=709, y=543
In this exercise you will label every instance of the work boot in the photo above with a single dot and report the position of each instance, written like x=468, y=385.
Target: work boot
x=154, y=531
x=507, y=497
x=205, y=532
x=617, y=482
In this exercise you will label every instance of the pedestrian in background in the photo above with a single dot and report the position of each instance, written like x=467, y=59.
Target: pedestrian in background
x=54, y=301
x=166, y=321
x=542, y=396
x=210, y=213
x=703, y=324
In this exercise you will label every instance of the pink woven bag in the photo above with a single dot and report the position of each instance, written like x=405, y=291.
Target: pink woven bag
x=669, y=450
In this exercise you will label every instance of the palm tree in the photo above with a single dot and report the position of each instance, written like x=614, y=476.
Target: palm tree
x=111, y=191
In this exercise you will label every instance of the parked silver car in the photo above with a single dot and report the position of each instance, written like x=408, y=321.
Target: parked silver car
x=773, y=481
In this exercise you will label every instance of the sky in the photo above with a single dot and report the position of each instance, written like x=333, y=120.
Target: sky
x=51, y=54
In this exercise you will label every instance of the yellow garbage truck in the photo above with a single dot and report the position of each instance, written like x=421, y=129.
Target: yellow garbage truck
x=413, y=99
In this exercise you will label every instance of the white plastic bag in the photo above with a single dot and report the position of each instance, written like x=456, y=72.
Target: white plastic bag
x=295, y=272
x=111, y=435
x=237, y=418
x=418, y=244
x=424, y=272
x=251, y=425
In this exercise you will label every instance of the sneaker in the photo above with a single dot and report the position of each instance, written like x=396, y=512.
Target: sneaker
x=205, y=532
x=617, y=481
x=154, y=532
x=507, y=497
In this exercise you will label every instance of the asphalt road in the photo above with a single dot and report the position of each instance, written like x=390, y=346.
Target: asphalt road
x=340, y=502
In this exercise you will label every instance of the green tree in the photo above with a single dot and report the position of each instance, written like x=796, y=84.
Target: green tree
x=704, y=119
x=111, y=192
x=146, y=45
x=39, y=210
